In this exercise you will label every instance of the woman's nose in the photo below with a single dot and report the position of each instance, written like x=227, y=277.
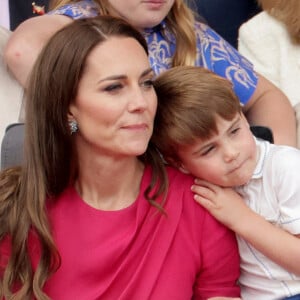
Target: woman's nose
x=138, y=100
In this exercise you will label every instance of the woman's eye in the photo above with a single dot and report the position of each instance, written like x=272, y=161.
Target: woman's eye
x=147, y=83
x=113, y=87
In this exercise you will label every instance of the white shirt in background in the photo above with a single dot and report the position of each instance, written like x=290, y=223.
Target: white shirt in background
x=4, y=14
x=265, y=41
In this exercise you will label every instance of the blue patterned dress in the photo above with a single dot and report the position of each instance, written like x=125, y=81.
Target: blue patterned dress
x=213, y=52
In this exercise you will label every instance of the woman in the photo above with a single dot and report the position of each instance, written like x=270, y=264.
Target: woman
x=94, y=214
x=271, y=40
x=174, y=38
x=274, y=49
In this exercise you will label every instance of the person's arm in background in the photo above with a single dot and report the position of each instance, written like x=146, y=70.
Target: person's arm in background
x=270, y=107
x=27, y=40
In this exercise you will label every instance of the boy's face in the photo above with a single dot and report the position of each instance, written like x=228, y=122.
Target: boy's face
x=228, y=158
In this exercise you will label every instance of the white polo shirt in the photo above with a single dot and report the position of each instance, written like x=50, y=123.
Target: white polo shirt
x=274, y=193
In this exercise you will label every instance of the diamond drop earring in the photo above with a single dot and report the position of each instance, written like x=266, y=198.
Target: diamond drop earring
x=73, y=126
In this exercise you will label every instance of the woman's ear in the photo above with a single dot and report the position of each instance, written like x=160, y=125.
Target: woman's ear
x=70, y=115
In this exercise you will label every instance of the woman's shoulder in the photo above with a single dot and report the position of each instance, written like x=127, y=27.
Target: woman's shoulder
x=204, y=29
x=77, y=10
x=175, y=174
x=179, y=181
x=205, y=32
x=180, y=194
x=194, y=220
x=262, y=24
x=212, y=42
x=261, y=18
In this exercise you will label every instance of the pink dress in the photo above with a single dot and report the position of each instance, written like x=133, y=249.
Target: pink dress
x=139, y=253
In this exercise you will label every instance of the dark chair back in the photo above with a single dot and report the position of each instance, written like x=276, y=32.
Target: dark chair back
x=12, y=146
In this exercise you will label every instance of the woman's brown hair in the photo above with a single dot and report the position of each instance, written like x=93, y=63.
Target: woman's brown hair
x=50, y=159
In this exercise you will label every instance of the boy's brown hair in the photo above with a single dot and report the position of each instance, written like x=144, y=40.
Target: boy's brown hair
x=189, y=99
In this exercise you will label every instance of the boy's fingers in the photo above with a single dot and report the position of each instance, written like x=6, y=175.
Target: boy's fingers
x=204, y=202
x=203, y=191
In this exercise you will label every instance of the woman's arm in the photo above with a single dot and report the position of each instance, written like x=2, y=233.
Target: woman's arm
x=27, y=40
x=220, y=261
x=270, y=107
x=229, y=208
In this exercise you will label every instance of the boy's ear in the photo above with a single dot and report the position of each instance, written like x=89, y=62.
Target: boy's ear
x=182, y=168
x=177, y=164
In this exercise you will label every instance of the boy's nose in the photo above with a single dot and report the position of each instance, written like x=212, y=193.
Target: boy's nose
x=230, y=153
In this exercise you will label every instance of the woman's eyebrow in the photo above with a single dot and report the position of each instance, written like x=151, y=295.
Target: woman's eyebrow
x=146, y=72
x=121, y=76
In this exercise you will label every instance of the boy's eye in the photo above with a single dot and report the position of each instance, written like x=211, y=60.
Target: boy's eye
x=235, y=130
x=207, y=150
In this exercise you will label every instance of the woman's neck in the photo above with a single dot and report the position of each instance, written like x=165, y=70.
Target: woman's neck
x=112, y=186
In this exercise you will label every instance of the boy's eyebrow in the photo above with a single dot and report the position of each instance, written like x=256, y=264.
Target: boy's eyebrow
x=210, y=140
x=234, y=122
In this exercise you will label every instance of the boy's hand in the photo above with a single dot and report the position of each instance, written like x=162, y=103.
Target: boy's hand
x=225, y=204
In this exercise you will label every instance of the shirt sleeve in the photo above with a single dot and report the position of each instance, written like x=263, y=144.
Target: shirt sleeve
x=78, y=10
x=286, y=178
x=217, y=55
x=220, y=269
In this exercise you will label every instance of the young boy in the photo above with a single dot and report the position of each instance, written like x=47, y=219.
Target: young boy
x=200, y=129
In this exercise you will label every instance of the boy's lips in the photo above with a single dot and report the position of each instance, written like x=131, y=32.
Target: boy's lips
x=238, y=166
